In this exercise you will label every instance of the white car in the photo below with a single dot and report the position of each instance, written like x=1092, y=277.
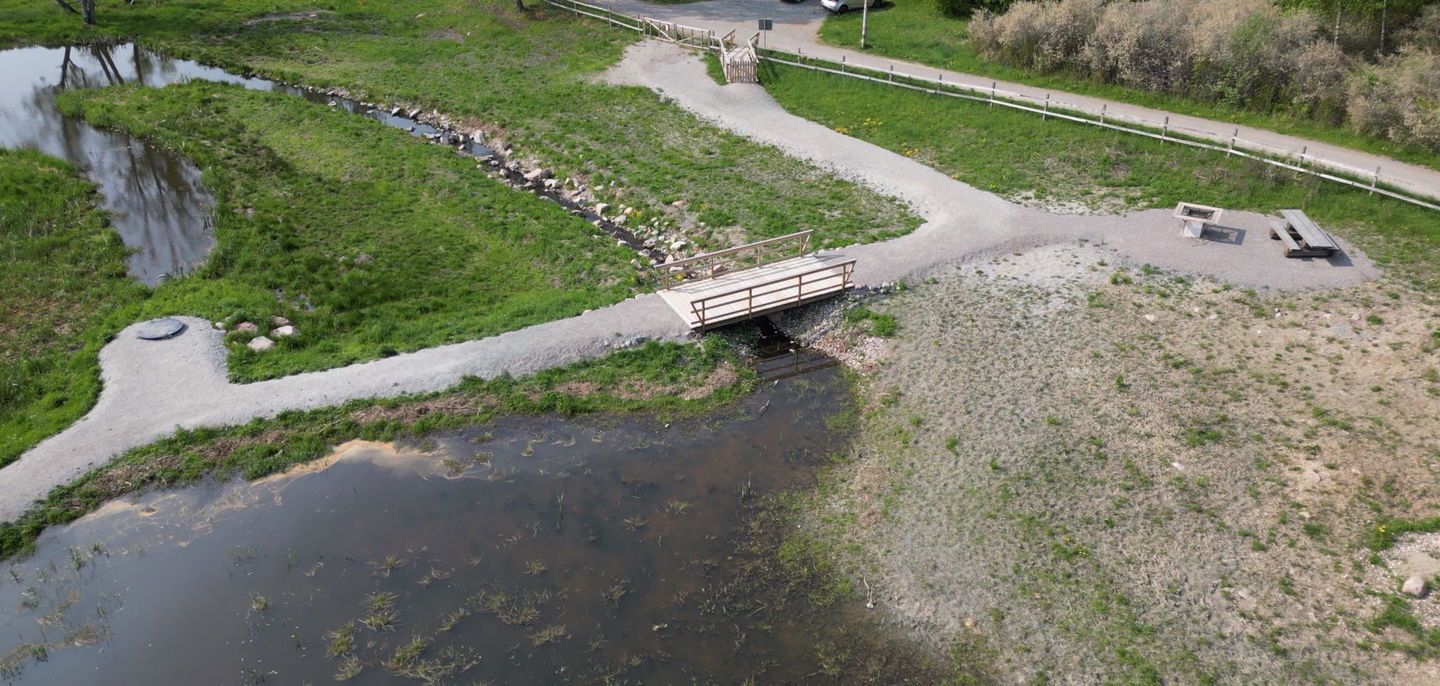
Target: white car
x=843, y=6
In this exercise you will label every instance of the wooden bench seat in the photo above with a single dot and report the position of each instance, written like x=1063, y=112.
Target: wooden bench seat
x=1301, y=236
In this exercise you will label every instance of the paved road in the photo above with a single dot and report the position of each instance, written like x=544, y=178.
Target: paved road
x=797, y=29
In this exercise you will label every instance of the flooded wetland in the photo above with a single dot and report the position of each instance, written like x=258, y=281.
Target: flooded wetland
x=531, y=550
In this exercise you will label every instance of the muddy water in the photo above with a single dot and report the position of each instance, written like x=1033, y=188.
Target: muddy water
x=157, y=202
x=530, y=551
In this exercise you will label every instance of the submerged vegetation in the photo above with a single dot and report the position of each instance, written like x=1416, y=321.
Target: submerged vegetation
x=65, y=287
x=656, y=377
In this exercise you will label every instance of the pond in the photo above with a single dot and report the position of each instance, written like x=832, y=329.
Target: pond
x=535, y=550
x=156, y=199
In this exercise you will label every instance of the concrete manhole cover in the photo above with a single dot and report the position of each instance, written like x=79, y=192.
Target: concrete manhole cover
x=160, y=329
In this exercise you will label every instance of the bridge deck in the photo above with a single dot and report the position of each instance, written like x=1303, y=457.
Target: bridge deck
x=747, y=293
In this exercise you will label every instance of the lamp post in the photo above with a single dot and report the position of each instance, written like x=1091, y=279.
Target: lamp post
x=864, y=21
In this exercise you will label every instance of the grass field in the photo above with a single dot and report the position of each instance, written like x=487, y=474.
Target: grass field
x=370, y=241
x=918, y=32
x=398, y=245
x=1056, y=163
x=65, y=287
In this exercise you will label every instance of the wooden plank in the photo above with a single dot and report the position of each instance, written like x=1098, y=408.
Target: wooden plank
x=737, y=296
x=1311, y=233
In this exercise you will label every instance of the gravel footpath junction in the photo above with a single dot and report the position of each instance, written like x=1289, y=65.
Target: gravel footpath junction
x=151, y=388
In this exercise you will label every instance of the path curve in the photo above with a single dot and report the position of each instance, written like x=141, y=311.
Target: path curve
x=963, y=222
x=151, y=388
x=797, y=30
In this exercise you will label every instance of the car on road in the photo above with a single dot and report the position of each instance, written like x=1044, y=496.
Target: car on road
x=843, y=6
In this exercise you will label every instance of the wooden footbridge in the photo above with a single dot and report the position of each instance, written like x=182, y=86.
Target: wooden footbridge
x=736, y=284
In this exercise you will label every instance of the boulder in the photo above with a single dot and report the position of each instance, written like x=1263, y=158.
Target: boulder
x=285, y=331
x=260, y=344
x=538, y=175
x=1415, y=586
x=279, y=321
x=220, y=325
x=677, y=246
x=247, y=327
x=601, y=207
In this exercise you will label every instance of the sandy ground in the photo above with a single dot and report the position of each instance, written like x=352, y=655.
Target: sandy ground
x=1092, y=476
x=796, y=30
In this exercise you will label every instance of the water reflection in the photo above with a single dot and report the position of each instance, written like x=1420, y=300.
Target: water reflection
x=156, y=200
x=530, y=551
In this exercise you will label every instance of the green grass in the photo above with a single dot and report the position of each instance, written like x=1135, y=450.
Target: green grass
x=66, y=289
x=529, y=77
x=917, y=32
x=1015, y=153
x=370, y=241
x=399, y=245
x=645, y=379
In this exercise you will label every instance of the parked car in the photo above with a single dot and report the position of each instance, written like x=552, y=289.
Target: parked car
x=843, y=6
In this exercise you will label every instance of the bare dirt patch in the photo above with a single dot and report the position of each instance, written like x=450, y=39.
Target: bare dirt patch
x=1112, y=474
x=308, y=15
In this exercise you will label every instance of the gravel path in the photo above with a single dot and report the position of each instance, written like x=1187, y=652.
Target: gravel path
x=962, y=222
x=152, y=388
x=797, y=27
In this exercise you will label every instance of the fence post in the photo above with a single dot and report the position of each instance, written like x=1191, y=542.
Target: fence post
x=1103, y=107
x=892, y=73
x=1046, y=115
x=1374, y=181
x=842, y=64
x=992, y=94
x=1303, y=148
x=1233, y=136
x=1165, y=130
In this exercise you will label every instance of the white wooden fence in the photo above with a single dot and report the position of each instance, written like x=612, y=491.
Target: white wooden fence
x=1300, y=162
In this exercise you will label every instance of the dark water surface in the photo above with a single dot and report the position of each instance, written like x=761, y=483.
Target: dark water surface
x=537, y=550
x=157, y=202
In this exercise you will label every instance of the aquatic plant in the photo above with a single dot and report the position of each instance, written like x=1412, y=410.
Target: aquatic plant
x=340, y=641
x=550, y=634
x=380, y=612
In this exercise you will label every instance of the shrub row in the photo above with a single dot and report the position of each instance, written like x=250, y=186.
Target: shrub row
x=1248, y=53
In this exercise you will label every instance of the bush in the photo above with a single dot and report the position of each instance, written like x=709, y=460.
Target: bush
x=1247, y=53
x=1399, y=99
x=965, y=8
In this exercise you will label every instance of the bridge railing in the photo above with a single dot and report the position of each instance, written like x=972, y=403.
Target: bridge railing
x=712, y=264
x=783, y=293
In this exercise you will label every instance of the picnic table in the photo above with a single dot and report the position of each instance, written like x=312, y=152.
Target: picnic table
x=1301, y=235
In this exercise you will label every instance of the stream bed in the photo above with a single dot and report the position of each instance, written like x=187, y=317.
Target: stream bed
x=534, y=550
x=156, y=200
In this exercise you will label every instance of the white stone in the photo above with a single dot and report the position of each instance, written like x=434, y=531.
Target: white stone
x=1414, y=586
x=260, y=344
x=285, y=331
x=247, y=327
x=279, y=321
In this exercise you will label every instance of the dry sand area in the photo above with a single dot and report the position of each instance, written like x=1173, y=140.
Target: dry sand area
x=1104, y=473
